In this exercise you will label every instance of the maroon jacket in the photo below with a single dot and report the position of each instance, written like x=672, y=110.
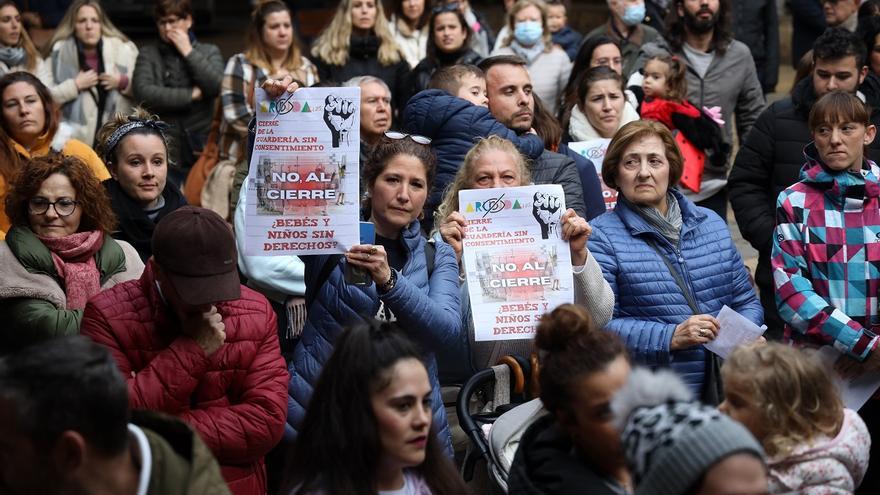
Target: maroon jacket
x=236, y=399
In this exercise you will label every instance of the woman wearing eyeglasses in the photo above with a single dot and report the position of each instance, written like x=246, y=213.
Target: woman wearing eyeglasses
x=409, y=280
x=58, y=253
x=29, y=124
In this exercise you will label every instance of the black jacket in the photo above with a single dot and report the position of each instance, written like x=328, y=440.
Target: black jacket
x=556, y=168
x=546, y=463
x=807, y=24
x=363, y=60
x=771, y=159
x=756, y=23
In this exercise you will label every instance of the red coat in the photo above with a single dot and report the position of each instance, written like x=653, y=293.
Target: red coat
x=236, y=399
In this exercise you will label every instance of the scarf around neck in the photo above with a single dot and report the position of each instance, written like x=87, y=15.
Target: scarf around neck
x=529, y=53
x=135, y=227
x=12, y=56
x=669, y=225
x=74, y=259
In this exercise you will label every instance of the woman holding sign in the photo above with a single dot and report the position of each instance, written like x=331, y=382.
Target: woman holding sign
x=495, y=162
x=672, y=264
x=405, y=280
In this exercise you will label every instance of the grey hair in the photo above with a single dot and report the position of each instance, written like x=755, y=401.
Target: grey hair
x=358, y=81
x=646, y=388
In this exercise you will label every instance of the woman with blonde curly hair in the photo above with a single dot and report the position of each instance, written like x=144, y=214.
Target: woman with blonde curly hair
x=530, y=38
x=92, y=65
x=358, y=42
x=58, y=253
x=789, y=402
x=492, y=163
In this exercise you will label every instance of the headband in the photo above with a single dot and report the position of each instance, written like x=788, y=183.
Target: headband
x=132, y=124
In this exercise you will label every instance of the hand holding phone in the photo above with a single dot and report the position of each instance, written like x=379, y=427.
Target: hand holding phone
x=358, y=275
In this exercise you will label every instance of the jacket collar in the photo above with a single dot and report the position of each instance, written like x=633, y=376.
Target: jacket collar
x=691, y=217
x=839, y=185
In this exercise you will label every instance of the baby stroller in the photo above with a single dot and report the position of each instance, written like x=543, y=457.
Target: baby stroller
x=495, y=407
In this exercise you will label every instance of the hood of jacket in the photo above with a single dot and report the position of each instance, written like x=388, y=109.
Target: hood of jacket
x=839, y=185
x=828, y=460
x=181, y=462
x=546, y=462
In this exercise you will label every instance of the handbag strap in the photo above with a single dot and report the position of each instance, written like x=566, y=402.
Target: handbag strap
x=677, y=277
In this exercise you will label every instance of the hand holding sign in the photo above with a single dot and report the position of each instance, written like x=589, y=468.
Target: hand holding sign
x=339, y=117
x=547, y=210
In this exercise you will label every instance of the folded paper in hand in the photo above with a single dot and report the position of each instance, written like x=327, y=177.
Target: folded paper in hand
x=736, y=330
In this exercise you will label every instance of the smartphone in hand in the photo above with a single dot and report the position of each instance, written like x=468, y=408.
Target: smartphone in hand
x=355, y=275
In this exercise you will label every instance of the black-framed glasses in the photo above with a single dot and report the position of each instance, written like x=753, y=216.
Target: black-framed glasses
x=63, y=207
x=415, y=137
x=449, y=7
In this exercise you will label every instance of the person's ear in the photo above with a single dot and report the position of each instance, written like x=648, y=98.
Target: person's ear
x=870, y=134
x=69, y=453
x=188, y=22
x=863, y=73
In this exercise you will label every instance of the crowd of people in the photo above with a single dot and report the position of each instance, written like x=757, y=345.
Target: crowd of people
x=142, y=351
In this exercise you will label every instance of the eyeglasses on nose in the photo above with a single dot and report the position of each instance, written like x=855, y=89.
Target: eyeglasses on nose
x=415, y=137
x=63, y=207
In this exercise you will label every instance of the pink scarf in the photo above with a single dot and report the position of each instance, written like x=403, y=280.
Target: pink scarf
x=74, y=258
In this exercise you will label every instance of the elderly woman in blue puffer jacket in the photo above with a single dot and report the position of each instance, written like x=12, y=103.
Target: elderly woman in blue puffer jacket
x=672, y=265
x=422, y=295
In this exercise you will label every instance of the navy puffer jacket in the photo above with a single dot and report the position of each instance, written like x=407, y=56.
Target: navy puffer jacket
x=427, y=309
x=649, y=303
x=454, y=125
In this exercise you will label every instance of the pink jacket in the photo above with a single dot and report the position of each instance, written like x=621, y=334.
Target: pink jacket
x=828, y=466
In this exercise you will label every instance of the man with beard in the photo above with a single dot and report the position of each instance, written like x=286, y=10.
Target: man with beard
x=771, y=156
x=720, y=73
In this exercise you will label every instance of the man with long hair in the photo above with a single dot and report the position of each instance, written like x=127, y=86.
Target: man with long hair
x=720, y=73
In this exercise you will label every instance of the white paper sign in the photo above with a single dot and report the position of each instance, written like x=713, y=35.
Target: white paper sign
x=303, y=182
x=594, y=150
x=517, y=265
x=736, y=330
x=854, y=392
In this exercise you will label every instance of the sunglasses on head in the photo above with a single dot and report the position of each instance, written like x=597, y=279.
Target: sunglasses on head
x=415, y=137
x=449, y=7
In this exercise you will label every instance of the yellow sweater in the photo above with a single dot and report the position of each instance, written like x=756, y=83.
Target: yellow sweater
x=73, y=147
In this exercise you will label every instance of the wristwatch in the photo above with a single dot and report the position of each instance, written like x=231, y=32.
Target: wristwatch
x=387, y=286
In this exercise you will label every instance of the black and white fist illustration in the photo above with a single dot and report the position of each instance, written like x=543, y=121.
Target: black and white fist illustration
x=339, y=117
x=547, y=210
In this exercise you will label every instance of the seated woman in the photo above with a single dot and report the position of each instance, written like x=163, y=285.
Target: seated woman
x=370, y=429
x=601, y=107
x=29, y=125
x=92, y=66
x=548, y=64
x=59, y=252
x=135, y=149
x=401, y=285
x=575, y=448
x=789, y=402
x=495, y=162
x=671, y=263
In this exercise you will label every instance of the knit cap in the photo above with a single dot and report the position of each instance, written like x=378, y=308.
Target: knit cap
x=670, y=440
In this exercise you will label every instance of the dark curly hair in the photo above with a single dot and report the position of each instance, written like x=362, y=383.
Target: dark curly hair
x=837, y=43
x=97, y=214
x=384, y=151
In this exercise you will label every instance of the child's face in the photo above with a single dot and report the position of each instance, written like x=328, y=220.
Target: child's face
x=654, y=83
x=739, y=405
x=473, y=89
x=556, y=18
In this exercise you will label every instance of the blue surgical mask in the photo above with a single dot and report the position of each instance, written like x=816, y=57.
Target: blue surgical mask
x=633, y=14
x=527, y=33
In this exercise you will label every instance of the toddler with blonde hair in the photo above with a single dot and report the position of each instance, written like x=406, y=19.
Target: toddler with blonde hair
x=787, y=398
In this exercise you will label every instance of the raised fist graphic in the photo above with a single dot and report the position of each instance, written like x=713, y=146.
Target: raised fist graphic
x=547, y=211
x=339, y=117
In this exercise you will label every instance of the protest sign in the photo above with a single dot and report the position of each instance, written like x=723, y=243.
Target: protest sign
x=516, y=263
x=594, y=150
x=303, y=181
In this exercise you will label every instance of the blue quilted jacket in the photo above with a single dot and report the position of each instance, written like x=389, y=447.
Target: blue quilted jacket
x=649, y=304
x=454, y=125
x=427, y=309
